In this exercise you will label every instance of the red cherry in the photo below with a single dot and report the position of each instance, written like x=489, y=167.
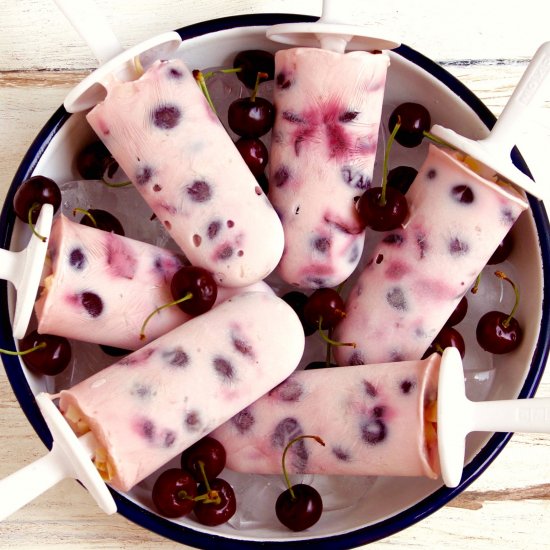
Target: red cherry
x=174, y=492
x=502, y=251
x=101, y=219
x=380, y=214
x=459, y=313
x=415, y=119
x=94, y=160
x=252, y=62
x=250, y=117
x=297, y=301
x=448, y=337
x=301, y=511
x=199, y=283
x=325, y=305
x=254, y=153
x=210, y=452
x=220, y=504
x=50, y=359
x=401, y=178
x=37, y=190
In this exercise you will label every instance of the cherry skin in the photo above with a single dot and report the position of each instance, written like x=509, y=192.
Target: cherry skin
x=114, y=351
x=498, y=333
x=174, y=492
x=382, y=217
x=302, y=511
x=200, y=283
x=324, y=304
x=319, y=365
x=212, y=513
x=104, y=221
x=94, y=160
x=252, y=62
x=297, y=301
x=502, y=251
x=448, y=337
x=250, y=117
x=35, y=190
x=459, y=313
x=49, y=360
x=415, y=119
x=210, y=452
x=254, y=153
x=401, y=178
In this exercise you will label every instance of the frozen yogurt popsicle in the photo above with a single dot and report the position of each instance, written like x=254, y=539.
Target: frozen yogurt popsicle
x=322, y=155
x=172, y=146
x=154, y=403
x=99, y=287
x=418, y=274
x=374, y=420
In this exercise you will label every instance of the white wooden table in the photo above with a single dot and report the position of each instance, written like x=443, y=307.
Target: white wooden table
x=485, y=44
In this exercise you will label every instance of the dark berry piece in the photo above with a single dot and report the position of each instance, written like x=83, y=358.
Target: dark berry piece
x=77, y=259
x=37, y=190
x=243, y=420
x=166, y=117
x=415, y=119
x=396, y=299
x=401, y=178
x=49, y=360
x=254, y=153
x=199, y=191
x=458, y=247
x=224, y=368
x=219, y=507
x=144, y=175
x=462, y=194
x=210, y=452
x=373, y=430
x=252, y=62
x=92, y=303
x=174, y=492
x=281, y=176
x=382, y=215
x=200, y=284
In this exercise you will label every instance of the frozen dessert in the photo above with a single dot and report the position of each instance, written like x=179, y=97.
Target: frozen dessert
x=459, y=214
x=170, y=143
x=154, y=403
x=322, y=155
x=100, y=287
x=374, y=420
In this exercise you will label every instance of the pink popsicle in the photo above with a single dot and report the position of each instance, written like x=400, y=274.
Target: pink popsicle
x=99, y=287
x=371, y=418
x=154, y=403
x=168, y=140
x=322, y=157
x=418, y=274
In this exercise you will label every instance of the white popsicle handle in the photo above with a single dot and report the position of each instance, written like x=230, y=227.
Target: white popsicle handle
x=90, y=24
x=527, y=94
x=70, y=457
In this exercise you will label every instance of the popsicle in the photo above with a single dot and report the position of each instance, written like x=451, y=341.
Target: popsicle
x=100, y=287
x=417, y=274
x=170, y=143
x=374, y=420
x=154, y=403
x=322, y=158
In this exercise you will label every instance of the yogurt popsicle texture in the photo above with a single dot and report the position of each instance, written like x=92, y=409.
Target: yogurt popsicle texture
x=172, y=146
x=372, y=419
x=418, y=274
x=99, y=287
x=322, y=156
x=150, y=406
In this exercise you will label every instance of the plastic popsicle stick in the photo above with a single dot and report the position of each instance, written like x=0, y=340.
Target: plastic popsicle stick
x=330, y=32
x=70, y=456
x=457, y=416
x=24, y=270
x=115, y=62
x=494, y=150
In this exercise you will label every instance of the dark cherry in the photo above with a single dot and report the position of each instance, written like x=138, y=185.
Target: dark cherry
x=401, y=178
x=297, y=301
x=210, y=452
x=254, y=153
x=319, y=365
x=497, y=333
x=415, y=119
x=325, y=304
x=382, y=216
x=212, y=513
x=263, y=182
x=250, y=117
x=252, y=62
x=174, y=492
x=49, y=360
x=502, y=251
x=459, y=313
x=302, y=511
x=448, y=337
x=200, y=283
x=114, y=351
x=35, y=190
x=104, y=221
x=94, y=160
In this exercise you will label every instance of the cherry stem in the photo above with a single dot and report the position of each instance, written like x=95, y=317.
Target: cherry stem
x=184, y=495
x=188, y=296
x=42, y=345
x=210, y=497
x=199, y=77
x=386, y=158
x=29, y=219
x=259, y=76
x=116, y=184
x=138, y=66
x=330, y=340
x=475, y=288
x=289, y=444
x=502, y=275
x=86, y=213
x=209, y=74
x=438, y=140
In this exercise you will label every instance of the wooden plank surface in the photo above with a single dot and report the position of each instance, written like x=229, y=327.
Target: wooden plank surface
x=42, y=57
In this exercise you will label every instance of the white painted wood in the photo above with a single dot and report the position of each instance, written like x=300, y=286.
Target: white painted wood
x=42, y=57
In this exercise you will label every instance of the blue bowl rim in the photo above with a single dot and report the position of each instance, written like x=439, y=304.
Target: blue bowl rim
x=362, y=535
